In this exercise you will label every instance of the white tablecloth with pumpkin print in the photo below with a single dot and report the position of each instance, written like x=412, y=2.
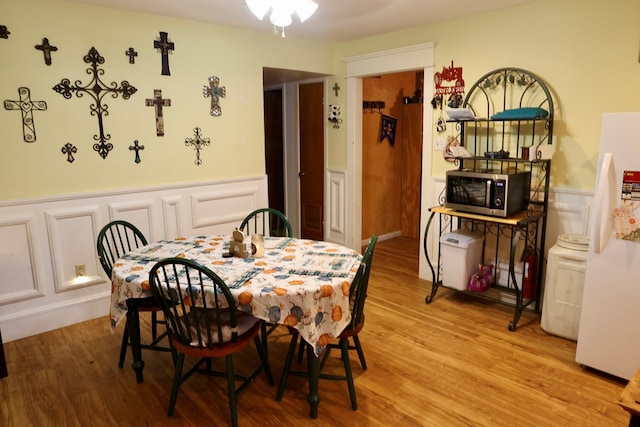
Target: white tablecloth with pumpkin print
x=299, y=283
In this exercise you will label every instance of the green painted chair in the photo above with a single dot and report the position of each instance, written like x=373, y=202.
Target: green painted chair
x=268, y=222
x=204, y=323
x=357, y=298
x=116, y=239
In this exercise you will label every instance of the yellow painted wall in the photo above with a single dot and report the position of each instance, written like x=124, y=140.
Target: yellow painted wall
x=588, y=52
x=235, y=56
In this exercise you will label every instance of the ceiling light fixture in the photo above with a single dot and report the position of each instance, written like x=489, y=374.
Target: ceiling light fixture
x=282, y=10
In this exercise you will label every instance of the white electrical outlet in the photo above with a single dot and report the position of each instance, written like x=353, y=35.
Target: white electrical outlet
x=81, y=270
x=439, y=144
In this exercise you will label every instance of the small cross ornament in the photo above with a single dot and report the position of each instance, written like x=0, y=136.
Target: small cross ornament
x=46, y=49
x=131, y=53
x=4, y=32
x=137, y=149
x=27, y=106
x=336, y=88
x=216, y=92
x=197, y=142
x=69, y=149
x=158, y=102
x=164, y=46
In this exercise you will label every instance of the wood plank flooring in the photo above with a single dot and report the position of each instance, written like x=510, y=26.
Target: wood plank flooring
x=449, y=363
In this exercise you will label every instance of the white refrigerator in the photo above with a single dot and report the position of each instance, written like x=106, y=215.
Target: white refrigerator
x=609, y=332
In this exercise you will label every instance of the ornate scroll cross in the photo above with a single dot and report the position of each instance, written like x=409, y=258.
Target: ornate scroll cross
x=97, y=90
x=336, y=88
x=164, y=46
x=132, y=55
x=137, y=149
x=69, y=149
x=26, y=106
x=198, y=142
x=46, y=49
x=216, y=93
x=158, y=102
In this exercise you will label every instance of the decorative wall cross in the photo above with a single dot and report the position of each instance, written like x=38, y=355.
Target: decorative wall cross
x=164, y=46
x=46, y=49
x=216, y=93
x=131, y=53
x=4, y=32
x=198, y=142
x=158, y=103
x=97, y=90
x=69, y=149
x=26, y=106
x=137, y=149
x=336, y=88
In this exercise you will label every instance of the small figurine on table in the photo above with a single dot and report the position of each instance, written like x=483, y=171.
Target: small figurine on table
x=237, y=247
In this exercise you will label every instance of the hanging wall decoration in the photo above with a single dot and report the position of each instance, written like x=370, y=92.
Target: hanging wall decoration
x=27, y=106
x=164, y=46
x=388, y=129
x=336, y=88
x=158, y=103
x=449, y=74
x=197, y=142
x=69, y=149
x=137, y=148
x=4, y=32
x=46, y=49
x=97, y=90
x=131, y=53
x=216, y=92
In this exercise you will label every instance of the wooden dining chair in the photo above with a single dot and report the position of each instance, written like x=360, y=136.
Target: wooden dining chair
x=116, y=239
x=357, y=298
x=268, y=222
x=204, y=322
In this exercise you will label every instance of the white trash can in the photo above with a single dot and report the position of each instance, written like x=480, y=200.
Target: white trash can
x=564, y=286
x=460, y=254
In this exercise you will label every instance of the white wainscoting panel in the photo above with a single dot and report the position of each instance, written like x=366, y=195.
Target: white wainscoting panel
x=42, y=241
x=335, y=229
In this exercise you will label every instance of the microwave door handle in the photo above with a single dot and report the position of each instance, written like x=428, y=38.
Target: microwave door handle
x=487, y=194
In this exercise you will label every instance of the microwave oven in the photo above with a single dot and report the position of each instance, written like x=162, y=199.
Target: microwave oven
x=488, y=193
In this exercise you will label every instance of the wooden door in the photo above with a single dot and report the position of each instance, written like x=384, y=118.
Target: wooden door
x=311, y=173
x=274, y=148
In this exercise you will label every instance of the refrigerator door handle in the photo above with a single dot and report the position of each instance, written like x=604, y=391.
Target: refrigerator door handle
x=600, y=236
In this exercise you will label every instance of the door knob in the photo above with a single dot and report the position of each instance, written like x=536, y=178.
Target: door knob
x=300, y=174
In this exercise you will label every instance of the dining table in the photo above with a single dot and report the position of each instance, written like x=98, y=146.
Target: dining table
x=303, y=284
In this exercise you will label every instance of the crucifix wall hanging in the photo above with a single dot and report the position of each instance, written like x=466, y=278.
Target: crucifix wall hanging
x=216, y=92
x=69, y=150
x=158, y=103
x=4, y=32
x=164, y=46
x=46, y=49
x=197, y=142
x=137, y=148
x=131, y=53
x=97, y=90
x=26, y=105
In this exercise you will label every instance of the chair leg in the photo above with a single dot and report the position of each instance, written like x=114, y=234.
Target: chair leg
x=358, y=347
x=344, y=347
x=154, y=325
x=301, y=351
x=124, y=345
x=287, y=365
x=177, y=379
x=265, y=361
x=232, y=391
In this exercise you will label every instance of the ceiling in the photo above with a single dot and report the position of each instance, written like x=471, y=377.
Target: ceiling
x=334, y=21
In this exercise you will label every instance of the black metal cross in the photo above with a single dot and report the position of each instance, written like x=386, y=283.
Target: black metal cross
x=97, y=89
x=46, y=49
x=137, y=148
x=158, y=103
x=164, y=46
x=4, y=32
x=131, y=53
x=336, y=88
x=26, y=105
x=198, y=142
x=216, y=93
x=69, y=149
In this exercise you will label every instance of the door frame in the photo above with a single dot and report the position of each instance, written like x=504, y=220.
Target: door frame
x=390, y=61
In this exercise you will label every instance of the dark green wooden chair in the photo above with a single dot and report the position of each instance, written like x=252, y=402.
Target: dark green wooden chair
x=357, y=298
x=116, y=239
x=204, y=323
x=268, y=222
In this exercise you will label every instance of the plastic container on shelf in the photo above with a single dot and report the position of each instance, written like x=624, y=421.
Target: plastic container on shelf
x=461, y=252
x=564, y=285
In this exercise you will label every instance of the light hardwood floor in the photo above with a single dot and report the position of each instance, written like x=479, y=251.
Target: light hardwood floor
x=449, y=363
